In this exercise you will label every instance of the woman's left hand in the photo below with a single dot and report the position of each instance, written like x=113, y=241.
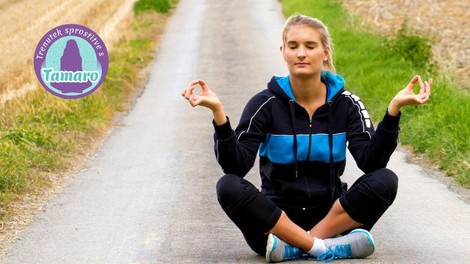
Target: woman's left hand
x=408, y=97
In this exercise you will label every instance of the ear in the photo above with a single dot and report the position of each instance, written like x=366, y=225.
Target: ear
x=327, y=53
x=281, y=48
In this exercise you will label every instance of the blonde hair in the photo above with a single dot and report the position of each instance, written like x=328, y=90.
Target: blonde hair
x=314, y=23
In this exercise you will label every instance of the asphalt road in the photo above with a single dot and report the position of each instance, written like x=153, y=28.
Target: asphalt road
x=148, y=196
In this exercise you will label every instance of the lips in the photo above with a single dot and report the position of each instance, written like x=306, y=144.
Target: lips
x=301, y=63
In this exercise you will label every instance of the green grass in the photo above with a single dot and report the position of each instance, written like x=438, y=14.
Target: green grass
x=42, y=134
x=376, y=68
x=160, y=6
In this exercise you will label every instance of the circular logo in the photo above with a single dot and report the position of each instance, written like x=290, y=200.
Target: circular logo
x=71, y=61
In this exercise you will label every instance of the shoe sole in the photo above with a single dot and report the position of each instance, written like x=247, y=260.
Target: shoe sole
x=271, y=245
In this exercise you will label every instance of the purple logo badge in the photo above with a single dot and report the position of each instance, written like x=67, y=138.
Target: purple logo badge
x=71, y=61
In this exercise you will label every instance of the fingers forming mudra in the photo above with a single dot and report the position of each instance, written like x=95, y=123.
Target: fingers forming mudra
x=408, y=97
x=206, y=98
x=188, y=92
x=424, y=91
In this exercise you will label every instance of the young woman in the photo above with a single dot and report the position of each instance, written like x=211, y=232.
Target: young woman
x=300, y=125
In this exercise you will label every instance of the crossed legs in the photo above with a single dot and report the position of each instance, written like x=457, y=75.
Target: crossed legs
x=256, y=216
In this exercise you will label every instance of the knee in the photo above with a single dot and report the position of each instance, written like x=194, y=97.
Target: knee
x=385, y=184
x=227, y=189
x=389, y=179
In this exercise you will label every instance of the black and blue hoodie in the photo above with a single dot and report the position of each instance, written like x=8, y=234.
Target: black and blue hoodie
x=302, y=157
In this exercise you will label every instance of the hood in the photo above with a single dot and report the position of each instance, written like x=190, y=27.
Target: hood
x=334, y=83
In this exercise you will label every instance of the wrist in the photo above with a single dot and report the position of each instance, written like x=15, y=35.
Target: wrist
x=393, y=108
x=219, y=115
x=217, y=108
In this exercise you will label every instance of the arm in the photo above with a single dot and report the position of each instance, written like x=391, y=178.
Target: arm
x=235, y=151
x=373, y=152
x=372, y=149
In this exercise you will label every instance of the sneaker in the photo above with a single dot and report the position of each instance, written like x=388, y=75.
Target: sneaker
x=278, y=250
x=357, y=244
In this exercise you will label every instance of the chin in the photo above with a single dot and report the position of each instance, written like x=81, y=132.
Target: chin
x=304, y=74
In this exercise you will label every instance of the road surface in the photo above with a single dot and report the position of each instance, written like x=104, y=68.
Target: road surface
x=148, y=196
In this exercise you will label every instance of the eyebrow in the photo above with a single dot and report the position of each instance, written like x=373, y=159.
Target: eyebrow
x=306, y=42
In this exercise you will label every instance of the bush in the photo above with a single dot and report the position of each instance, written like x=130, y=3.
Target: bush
x=411, y=47
x=159, y=6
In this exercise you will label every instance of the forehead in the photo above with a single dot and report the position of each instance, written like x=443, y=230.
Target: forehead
x=302, y=33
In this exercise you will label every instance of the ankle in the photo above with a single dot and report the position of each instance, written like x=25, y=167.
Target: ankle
x=318, y=247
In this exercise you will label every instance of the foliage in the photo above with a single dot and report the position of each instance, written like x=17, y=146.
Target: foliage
x=413, y=48
x=159, y=6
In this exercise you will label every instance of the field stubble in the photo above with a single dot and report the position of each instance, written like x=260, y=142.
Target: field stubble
x=446, y=24
x=45, y=139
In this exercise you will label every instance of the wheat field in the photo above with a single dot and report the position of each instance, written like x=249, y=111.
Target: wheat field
x=24, y=22
x=446, y=23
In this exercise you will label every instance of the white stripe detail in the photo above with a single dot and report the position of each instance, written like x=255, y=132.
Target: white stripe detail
x=217, y=150
x=361, y=105
x=365, y=121
x=251, y=119
x=365, y=113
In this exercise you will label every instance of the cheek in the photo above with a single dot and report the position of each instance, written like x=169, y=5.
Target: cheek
x=288, y=55
x=317, y=56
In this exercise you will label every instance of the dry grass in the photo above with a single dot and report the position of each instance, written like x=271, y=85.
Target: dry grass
x=446, y=23
x=25, y=22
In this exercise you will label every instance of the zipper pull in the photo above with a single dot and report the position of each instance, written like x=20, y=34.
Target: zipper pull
x=296, y=173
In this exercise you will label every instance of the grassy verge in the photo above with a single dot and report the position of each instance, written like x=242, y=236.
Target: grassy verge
x=42, y=134
x=376, y=67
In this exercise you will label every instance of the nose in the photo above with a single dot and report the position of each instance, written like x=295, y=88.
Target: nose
x=301, y=53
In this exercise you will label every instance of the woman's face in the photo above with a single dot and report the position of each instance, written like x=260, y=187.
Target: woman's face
x=303, y=51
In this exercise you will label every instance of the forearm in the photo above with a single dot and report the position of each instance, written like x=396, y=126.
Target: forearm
x=233, y=156
x=219, y=115
x=374, y=153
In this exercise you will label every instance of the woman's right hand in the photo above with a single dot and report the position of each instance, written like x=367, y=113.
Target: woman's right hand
x=207, y=98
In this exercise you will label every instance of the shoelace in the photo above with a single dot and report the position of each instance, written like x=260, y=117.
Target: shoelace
x=291, y=252
x=340, y=252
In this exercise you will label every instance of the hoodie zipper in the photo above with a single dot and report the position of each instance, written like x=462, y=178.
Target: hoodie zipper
x=330, y=143
x=292, y=112
x=310, y=125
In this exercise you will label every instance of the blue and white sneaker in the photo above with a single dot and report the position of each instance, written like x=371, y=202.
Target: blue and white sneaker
x=278, y=250
x=357, y=244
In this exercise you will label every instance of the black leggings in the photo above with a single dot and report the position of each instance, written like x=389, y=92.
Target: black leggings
x=365, y=202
